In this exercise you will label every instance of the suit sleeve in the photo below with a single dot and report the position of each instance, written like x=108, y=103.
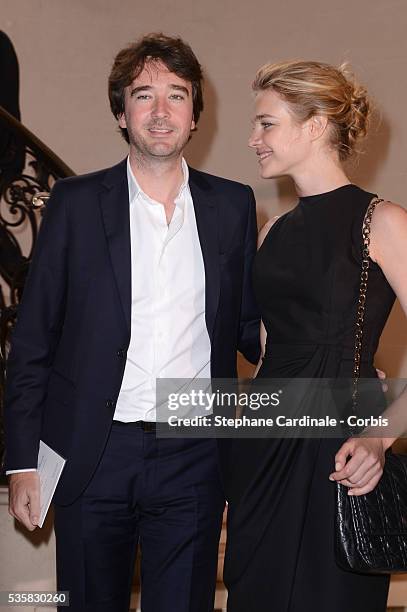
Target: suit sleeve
x=249, y=333
x=34, y=340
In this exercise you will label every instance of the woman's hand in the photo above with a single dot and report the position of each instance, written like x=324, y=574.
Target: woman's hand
x=363, y=470
x=382, y=376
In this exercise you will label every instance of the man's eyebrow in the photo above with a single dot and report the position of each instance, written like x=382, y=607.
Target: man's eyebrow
x=180, y=88
x=139, y=88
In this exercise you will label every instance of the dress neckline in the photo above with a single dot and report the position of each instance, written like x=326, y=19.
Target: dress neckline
x=320, y=196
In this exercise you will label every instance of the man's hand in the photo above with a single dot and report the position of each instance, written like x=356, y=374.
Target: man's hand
x=24, y=498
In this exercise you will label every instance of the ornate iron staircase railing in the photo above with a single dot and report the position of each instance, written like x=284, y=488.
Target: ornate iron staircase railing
x=28, y=170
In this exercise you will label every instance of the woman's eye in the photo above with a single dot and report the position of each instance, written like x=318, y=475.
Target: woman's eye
x=177, y=97
x=266, y=125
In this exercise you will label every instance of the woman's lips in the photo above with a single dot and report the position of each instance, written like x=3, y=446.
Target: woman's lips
x=264, y=155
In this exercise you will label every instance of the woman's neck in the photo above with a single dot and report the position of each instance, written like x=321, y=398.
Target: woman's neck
x=320, y=177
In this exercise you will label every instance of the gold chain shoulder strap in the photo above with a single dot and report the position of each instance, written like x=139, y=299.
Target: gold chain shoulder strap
x=362, y=295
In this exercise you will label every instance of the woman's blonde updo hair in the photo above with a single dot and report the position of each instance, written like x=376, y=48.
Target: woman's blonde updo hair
x=315, y=88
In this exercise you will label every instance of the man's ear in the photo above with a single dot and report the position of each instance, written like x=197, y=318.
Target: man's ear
x=193, y=125
x=122, y=121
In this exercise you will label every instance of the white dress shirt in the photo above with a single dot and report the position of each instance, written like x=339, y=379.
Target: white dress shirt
x=169, y=338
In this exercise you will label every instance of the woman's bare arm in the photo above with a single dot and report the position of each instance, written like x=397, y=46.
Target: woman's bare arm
x=388, y=248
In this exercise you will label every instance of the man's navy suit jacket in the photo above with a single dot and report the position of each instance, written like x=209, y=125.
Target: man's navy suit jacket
x=69, y=345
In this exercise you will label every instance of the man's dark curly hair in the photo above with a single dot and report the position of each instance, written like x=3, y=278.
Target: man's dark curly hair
x=174, y=53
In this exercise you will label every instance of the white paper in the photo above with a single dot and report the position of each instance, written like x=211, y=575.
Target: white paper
x=50, y=466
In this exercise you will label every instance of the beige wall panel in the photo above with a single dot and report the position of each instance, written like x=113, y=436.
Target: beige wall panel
x=66, y=49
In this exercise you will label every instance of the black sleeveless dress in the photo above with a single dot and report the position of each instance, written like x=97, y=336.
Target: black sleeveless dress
x=280, y=547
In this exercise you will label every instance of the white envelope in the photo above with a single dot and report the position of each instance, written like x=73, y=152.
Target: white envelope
x=50, y=466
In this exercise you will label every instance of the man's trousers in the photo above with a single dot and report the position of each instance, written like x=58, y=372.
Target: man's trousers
x=164, y=494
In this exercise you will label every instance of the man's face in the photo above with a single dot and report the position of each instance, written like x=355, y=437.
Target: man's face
x=158, y=113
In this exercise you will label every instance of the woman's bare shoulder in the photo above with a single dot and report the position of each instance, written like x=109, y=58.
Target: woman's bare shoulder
x=389, y=228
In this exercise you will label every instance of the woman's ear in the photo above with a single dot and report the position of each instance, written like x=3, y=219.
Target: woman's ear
x=317, y=126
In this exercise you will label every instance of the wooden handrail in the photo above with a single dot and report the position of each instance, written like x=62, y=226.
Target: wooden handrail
x=53, y=162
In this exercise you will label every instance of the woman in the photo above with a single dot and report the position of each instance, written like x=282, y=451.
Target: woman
x=280, y=551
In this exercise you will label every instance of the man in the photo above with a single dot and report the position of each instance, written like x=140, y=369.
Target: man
x=141, y=271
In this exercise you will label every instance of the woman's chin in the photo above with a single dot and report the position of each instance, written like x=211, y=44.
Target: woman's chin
x=268, y=173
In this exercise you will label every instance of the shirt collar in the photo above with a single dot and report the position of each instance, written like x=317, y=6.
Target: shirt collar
x=135, y=189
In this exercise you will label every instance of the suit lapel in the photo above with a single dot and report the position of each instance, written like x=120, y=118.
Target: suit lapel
x=206, y=214
x=114, y=204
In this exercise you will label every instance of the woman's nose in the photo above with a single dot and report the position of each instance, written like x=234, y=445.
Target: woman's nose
x=254, y=139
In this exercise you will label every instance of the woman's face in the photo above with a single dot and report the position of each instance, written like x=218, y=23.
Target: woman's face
x=282, y=144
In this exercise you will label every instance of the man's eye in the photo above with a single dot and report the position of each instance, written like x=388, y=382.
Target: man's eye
x=177, y=97
x=143, y=97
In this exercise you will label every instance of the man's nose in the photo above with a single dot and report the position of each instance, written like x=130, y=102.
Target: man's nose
x=160, y=108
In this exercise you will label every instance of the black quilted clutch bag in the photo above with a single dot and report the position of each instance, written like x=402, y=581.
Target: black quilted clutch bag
x=371, y=530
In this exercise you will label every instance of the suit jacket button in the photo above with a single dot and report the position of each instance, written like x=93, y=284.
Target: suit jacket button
x=120, y=353
x=109, y=404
